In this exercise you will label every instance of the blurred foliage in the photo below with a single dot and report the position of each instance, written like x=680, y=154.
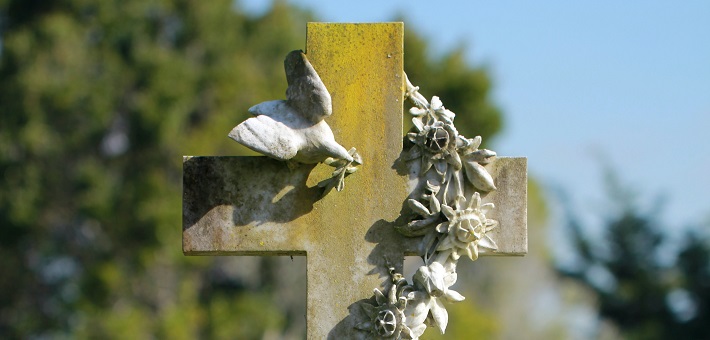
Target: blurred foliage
x=649, y=285
x=98, y=101
x=463, y=89
x=466, y=321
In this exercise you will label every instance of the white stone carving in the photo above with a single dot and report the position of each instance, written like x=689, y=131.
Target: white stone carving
x=446, y=212
x=293, y=129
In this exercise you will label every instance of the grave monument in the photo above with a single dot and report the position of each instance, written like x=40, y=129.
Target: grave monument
x=429, y=192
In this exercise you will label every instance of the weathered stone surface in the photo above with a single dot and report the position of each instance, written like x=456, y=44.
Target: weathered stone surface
x=258, y=206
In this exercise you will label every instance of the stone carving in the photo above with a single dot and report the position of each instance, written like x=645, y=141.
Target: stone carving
x=446, y=213
x=293, y=130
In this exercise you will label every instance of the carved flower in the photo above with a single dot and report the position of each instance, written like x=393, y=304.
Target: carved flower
x=435, y=145
x=432, y=283
x=387, y=320
x=467, y=229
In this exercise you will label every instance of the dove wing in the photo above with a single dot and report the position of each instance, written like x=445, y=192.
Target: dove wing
x=267, y=136
x=306, y=92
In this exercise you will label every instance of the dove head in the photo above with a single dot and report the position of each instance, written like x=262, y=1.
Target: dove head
x=306, y=92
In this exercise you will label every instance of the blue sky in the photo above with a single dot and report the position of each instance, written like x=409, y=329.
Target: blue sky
x=582, y=84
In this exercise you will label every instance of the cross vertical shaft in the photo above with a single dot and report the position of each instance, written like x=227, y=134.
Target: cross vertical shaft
x=361, y=65
x=258, y=206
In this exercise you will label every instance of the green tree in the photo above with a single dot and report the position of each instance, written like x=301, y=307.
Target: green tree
x=463, y=89
x=98, y=102
x=643, y=294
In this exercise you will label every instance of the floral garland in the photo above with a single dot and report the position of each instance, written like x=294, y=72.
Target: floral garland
x=447, y=214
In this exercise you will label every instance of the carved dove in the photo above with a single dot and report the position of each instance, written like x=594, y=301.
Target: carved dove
x=293, y=129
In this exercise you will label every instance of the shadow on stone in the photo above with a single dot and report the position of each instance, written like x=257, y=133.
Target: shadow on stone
x=345, y=329
x=260, y=189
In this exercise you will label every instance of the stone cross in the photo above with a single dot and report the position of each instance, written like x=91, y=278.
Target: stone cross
x=259, y=206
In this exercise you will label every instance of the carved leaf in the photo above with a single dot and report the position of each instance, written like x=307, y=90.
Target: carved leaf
x=369, y=309
x=418, y=208
x=479, y=176
x=481, y=156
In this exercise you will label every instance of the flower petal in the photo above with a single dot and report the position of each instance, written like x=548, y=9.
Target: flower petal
x=450, y=278
x=490, y=224
x=454, y=296
x=485, y=208
x=434, y=205
x=473, y=253
x=440, y=315
x=432, y=187
x=443, y=227
x=476, y=142
x=470, y=251
x=417, y=331
x=455, y=254
x=448, y=114
x=436, y=275
x=422, y=277
x=417, y=308
x=475, y=201
x=487, y=242
x=448, y=212
x=445, y=244
x=436, y=103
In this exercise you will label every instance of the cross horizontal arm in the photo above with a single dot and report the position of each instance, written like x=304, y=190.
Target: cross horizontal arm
x=258, y=206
